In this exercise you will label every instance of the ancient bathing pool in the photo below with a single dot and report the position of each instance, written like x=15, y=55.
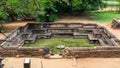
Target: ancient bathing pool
x=67, y=41
x=51, y=35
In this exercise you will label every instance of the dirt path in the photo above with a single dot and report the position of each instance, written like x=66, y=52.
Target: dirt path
x=64, y=63
x=13, y=25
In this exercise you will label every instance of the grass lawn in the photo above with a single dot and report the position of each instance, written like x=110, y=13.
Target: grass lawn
x=105, y=16
x=66, y=41
x=112, y=3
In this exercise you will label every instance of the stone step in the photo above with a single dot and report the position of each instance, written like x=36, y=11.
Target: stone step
x=56, y=56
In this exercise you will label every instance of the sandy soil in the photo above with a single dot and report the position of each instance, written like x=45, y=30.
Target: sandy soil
x=108, y=9
x=11, y=26
x=2, y=36
x=64, y=63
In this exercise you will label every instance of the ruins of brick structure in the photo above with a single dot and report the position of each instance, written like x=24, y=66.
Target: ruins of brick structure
x=1, y=65
x=1, y=32
x=32, y=31
x=116, y=23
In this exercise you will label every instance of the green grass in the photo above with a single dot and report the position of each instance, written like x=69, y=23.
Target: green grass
x=105, y=16
x=55, y=41
x=112, y=2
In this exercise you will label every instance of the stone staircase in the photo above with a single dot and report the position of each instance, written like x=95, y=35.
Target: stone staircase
x=56, y=56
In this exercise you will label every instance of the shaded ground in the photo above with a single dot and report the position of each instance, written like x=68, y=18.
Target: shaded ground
x=12, y=25
x=64, y=63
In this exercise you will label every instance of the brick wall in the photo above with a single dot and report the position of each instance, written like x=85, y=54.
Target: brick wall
x=23, y=52
x=93, y=52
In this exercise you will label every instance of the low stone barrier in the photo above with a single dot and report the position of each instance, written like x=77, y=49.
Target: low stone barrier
x=116, y=23
x=1, y=41
x=93, y=52
x=24, y=52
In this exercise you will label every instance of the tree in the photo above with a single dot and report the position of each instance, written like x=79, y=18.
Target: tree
x=3, y=14
x=45, y=10
x=40, y=10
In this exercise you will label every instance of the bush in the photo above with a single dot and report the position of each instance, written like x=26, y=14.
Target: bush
x=3, y=14
x=46, y=10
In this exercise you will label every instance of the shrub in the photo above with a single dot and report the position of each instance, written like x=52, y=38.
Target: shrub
x=46, y=10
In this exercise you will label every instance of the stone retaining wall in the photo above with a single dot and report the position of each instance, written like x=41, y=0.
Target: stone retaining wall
x=75, y=52
x=93, y=52
x=1, y=41
x=23, y=52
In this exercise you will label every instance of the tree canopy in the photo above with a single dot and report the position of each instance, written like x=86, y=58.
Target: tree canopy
x=45, y=10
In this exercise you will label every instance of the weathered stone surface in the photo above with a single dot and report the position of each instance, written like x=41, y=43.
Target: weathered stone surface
x=23, y=52
x=116, y=23
x=99, y=52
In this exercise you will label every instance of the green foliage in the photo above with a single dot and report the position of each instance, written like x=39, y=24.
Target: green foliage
x=79, y=5
x=46, y=10
x=118, y=0
x=31, y=9
x=52, y=17
x=92, y=5
x=3, y=14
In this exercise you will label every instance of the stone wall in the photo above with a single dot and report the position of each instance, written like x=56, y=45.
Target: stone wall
x=116, y=23
x=93, y=52
x=75, y=52
x=1, y=41
x=23, y=52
